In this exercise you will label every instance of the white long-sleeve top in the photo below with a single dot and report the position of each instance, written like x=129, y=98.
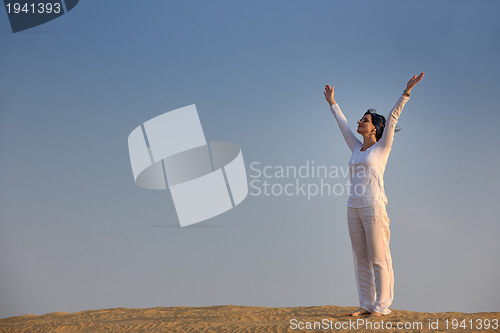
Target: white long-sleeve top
x=367, y=167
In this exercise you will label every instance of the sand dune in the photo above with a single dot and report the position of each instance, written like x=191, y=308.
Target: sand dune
x=231, y=318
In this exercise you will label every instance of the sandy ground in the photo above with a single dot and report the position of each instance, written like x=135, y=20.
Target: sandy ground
x=232, y=318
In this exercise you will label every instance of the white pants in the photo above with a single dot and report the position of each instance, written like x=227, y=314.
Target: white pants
x=370, y=236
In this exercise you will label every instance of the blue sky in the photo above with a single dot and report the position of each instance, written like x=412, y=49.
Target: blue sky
x=77, y=234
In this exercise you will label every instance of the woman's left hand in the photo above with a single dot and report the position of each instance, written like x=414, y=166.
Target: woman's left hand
x=413, y=81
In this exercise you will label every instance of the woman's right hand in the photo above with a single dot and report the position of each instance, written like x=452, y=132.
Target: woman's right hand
x=413, y=81
x=329, y=94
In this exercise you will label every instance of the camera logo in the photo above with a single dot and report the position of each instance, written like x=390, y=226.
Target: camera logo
x=26, y=14
x=205, y=179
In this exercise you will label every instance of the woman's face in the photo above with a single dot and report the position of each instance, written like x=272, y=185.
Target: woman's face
x=365, y=125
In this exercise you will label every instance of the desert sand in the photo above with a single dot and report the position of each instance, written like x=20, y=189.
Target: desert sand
x=232, y=318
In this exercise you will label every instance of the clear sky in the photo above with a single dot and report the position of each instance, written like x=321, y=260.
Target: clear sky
x=76, y=233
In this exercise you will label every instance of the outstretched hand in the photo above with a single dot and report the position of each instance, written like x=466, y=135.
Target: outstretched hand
x=413, y=81
x=329, y=93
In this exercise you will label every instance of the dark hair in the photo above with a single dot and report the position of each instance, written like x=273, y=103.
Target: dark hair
x=379, y=122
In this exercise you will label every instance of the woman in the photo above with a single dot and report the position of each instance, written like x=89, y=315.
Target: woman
x=366, y=214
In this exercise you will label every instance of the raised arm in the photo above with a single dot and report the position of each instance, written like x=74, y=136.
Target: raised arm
x=392, y=119
x=390, y=126
x=347, y=133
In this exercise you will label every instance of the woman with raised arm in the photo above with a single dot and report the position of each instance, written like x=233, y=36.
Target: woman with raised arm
x=367, y=218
